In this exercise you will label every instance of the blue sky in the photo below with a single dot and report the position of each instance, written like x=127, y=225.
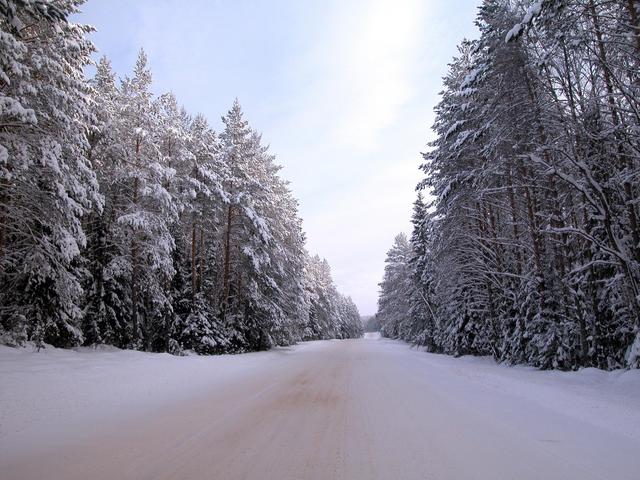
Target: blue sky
x=342, y=90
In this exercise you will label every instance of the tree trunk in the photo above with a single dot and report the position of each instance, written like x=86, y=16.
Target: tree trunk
x=227, y=262
x=193, y=261
x=635, y=25
x=134, y=255
x=134, y=271
x=201, y=267
x=615, y=119
x=514, y=219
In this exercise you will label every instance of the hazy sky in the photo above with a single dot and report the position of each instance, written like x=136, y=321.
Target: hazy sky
x=342, y=90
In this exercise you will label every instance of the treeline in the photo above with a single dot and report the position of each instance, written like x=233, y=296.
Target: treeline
x=371, y=324
x=127, y=221
x=530, y=250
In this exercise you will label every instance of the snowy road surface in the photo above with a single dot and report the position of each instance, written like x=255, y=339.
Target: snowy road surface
x=358, y=409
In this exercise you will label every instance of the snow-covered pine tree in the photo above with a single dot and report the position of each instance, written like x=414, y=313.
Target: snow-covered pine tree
x=330, y=314
x=422, y=309
x=245, y=236
x=195, y=297
x=107, y=294
x=147, y=209
x=46, y=183
x=533, y=245
x=394, y=301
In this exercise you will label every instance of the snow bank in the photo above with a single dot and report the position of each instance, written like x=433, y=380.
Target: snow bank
x=607, y=400
x=54, y=390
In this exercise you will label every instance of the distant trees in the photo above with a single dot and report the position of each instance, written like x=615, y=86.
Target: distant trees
x=530, y=251
x=125, y=220
x=326, y=303
x=371, y=324
x=394, y=300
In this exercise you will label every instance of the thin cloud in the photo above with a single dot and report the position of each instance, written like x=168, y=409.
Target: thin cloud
x=361, y=71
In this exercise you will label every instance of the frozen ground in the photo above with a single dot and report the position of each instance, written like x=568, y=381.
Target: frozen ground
x=359, y=409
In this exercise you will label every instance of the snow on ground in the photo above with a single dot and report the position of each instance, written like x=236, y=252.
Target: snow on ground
x=609, y=400
x=369, y=408
x=53, y=390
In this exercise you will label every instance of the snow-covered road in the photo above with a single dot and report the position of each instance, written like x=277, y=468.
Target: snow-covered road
x=358, y=409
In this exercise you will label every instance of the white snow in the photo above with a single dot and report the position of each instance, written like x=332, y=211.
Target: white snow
x=608, y=400
x=633, y=355
x=532, y=12
x=47, y=395
x=514, y=32
x=369, y=408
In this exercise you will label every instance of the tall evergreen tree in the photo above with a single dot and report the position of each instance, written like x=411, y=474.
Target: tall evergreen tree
x=46, y=183
x=531, y=250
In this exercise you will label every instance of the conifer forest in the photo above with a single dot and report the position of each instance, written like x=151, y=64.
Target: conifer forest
x=126, y=220
x=526, y=241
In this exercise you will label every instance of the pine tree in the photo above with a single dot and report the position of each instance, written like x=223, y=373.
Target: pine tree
x=393, y=303
x=124, y=220
x=530, y=249
x=46, y=181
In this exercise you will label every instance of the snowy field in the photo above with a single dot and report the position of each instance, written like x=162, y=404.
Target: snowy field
x=369, y=408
